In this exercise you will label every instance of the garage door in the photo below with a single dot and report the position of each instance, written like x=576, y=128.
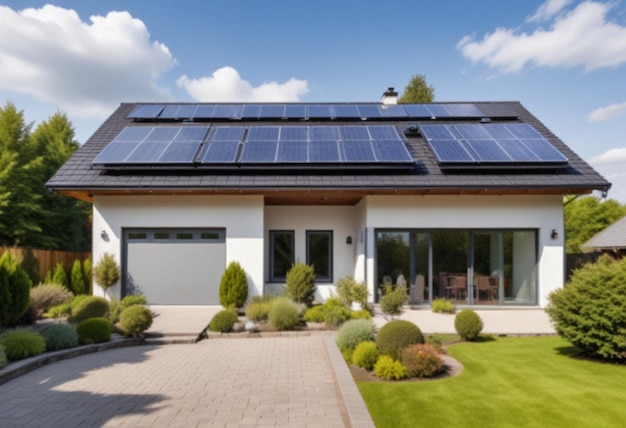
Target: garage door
x=174, y=266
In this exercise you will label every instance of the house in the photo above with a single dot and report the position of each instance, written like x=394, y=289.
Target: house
x=455, y=200
x=611, y=240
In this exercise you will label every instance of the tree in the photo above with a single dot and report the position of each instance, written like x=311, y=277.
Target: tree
x=417, y=91
x=233, y=286
x=584, y=217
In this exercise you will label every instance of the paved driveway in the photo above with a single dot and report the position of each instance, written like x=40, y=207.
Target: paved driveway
x=217, y=382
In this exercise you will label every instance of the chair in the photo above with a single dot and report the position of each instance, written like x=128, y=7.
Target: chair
x=457, y=286
x=488, y=285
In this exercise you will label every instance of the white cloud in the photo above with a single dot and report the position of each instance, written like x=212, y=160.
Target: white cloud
x=547, y=10
x=580, y=37
x=226, y=85
x=616, y=156
x=86, y=68
x=609, y=112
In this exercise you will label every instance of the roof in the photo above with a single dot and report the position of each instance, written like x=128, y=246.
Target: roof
x=80, y=178
x=611, y=238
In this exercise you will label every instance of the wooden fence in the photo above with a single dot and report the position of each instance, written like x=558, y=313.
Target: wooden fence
x=48, y=258
x=576, y=261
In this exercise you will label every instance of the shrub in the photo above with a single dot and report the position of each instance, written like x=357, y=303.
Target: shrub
x=94, y=330
x=223, y=321
x=335, y=316
x=258, y=308
x=421, y=360
x=436, y=341
x=468, y=324
x=389, y=369
x=77, y=283
x=14, y=291
x=350, y=291
x=133, y=299
x=283, y=314
x=59, y=336
x=300, y=283
x=443, y=306
x=115, y=309
x=30, y=264
x=88, y=275
x=3, y=357
x=590, y=311
x=233, y=286
x=353, y=332
x=393, y=299
x=106, y=272
x=59, y=311
x=29, y=317
x=365, y=355
x=396, y=335
x=361, y=314
x=45, y=296
x=135, y=319
x=19, y=344
x=315, y=314
x=59, y=276
x=347, y=355
x=89, y=307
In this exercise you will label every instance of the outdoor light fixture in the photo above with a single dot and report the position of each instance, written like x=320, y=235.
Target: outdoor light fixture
x=349, y=240
x=105, y=236
x=554, y=234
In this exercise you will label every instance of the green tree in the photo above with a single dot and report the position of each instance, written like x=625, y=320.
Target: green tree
x=584, y=217
x=233, y=286
x=14, y=290
x=417, y=91
x=77, y=277
x=59, y=276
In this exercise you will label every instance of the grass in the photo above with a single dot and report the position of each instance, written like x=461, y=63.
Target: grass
x=507, y=382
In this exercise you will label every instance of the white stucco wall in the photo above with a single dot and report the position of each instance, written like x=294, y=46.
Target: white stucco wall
x=241, y=216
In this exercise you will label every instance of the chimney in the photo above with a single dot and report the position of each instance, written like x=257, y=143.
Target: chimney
x=389, y=97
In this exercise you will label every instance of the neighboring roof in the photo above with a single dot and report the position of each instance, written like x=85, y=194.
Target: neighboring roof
x=79, y=178
x=611, y=238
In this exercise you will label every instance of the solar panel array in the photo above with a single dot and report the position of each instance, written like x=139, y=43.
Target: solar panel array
x=256, y=145
x=300, y=111
x=490, y=144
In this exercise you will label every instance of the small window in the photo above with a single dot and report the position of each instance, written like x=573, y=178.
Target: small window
x=319, y=253
x=137, y=235
x=209, y=235
x=161, y=235
x=184, y=235
x=281, y=254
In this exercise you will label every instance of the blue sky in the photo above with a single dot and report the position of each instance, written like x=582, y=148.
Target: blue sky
x=565, y=60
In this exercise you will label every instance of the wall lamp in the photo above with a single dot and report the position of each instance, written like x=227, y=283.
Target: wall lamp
x=349, y=240
x=105, y=236
x=554, y=234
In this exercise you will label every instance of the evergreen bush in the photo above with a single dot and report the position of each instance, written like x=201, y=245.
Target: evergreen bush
x=365, y=355
x=396, y=335
x=77, y=283
x=590, y=311
x=443, y=306
x=88, y=275
x=21, y=343
x=300, y=283
x=422, y=360
x=14, y=291
x=3, y=357
x=233, y=286
x=335, y=316
x=45, y=296
x=89, y=307
x=284, y=314
x=107, y=271
x=389, y=369
x=392, y=301
x=59, y=276
x=223, y=321
x=353, y=332
x=350, y=291
x=133, y=299
x=135, y=320
x=59, y=311
x=361, y=314
x=315, y=313
x=94, y=330
x=468, y=324
x=30, y=264
x=59, y=336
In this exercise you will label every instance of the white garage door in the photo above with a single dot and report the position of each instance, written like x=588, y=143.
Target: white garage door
x=174, y=266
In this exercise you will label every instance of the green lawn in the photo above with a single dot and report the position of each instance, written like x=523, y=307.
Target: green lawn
x=507, y=382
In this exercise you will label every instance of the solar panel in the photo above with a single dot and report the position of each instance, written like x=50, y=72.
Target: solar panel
x=369, y=110
x=220, y=152
x=162, y=134
x=488, y=151
x=417, y=111
x=324, y=133
x=391, y=151
x=346, y=111
x=227, y=133
x=147, y=152
x=393, y=110
x=180, y=152
x=464, y=110
x=263, y=133
x=295, y=111
x=115, y=153
x=381, y=132
x=450, y=151
x=146, y=111
x=228, y=111
x=133, y=134
x=293, y=152
x=259, y=152
x=353, y=133
x=322, y=111
x=294, y=133
x=357, y=151
x=272, y=111
x=204, y=111
x=544, y=150
x=324, y=151
x=251, y=111
x=191, y=133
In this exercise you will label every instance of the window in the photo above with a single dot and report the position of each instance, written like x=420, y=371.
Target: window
x=281, y=254
x=319, y=253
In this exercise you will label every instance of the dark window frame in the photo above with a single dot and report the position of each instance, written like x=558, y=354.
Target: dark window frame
x=329, y=233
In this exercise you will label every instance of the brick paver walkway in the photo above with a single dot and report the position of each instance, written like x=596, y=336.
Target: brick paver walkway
x=218, y=382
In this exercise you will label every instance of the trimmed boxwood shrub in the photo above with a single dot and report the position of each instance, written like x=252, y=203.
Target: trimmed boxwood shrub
x=422, y=360
x=284, y=314
x=135, y=319
x=94, y=330
x=223, y=321
x=3, y=357
x=365, y=355
x=300, y=283
x=396, y=335
x=315, y=314
x=468, y=324
x=59, y=336
x=353, y=332
x=89, y=307
x=590, y=312
x=45, y=296
x=389, y=369
x=134, y=299
x=233, y=286
x=21, y=343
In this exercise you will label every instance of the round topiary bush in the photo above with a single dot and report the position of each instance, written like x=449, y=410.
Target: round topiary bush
x=135, y=319
x=133, y=299
x=59, y=336
x=396, y=335
x=389, y=369
x=223, y=321
x=21, y=343
x=94, y=330
x=45, y=296
x=589, y=311
x=284, y=314
x=300, y=283
x=233, y=286
x=468, y=324
x=422, y=360
x=353, y=332
x=89, y=307
x=365, y=355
